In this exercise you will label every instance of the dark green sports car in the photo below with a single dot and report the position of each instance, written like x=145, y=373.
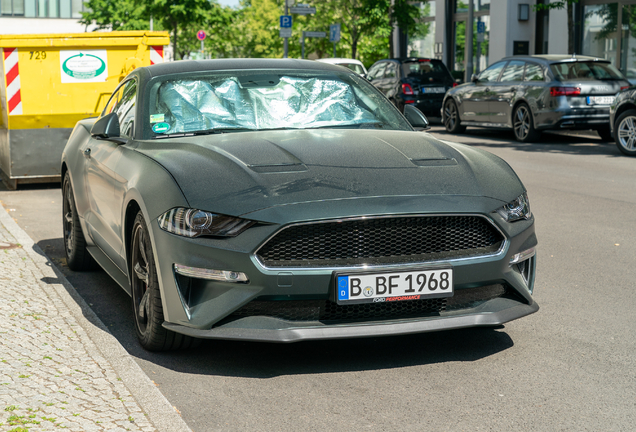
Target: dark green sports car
x=288, y=200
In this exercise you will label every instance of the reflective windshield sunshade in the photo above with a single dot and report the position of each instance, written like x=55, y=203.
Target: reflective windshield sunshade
x=195, y=223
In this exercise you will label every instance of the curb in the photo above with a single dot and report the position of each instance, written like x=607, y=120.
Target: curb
x=160, y=412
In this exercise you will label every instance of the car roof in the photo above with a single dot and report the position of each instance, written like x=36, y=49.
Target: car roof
x=410, y=59
x=184, y=66
x=337, y=60
x=555, y=58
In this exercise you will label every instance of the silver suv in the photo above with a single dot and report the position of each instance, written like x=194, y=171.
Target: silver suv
x=534, y=93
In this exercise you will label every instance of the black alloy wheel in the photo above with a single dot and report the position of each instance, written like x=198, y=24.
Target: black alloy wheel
x=451, y=118
x=77, y=257
x=625, y=133
x=146, y=297
x=523, y=124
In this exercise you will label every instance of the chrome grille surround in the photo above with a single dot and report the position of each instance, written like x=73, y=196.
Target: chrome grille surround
x=370, y=263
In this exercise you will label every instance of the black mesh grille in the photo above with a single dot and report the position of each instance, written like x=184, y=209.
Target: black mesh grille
x=380, y=241
x=325, y=310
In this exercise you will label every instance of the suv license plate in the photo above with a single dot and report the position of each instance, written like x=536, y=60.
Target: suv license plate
x=433, y=90
x=600, y=100
x=398, y=286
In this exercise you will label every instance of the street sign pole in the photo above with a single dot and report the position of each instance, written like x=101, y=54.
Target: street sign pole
x=334, y=36
x=285, y=42
x=302, y=44
x=201, y=36
x=334, y=50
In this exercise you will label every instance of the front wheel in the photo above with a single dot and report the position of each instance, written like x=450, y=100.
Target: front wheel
x=146, y=298
x=523, y=125
x=625, y=133
x=77, y=257
x=451, y=118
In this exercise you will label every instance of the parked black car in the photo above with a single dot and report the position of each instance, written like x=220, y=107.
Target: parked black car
x=421, y=82
x=534, y=93
x=623, y=121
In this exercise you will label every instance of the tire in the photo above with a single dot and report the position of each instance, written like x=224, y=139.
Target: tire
x=523, y=125
x=77, y=257
x=450, y=117
x=605, y=134
x=146, y=297
x=625, y=133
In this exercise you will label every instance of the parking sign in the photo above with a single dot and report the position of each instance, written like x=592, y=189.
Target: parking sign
x=285, y=21
x=334, y=33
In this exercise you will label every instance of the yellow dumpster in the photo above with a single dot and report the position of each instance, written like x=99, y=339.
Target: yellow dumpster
x=52, y=81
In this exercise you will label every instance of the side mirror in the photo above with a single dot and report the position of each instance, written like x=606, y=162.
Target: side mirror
x=474, y=78
x=107, y=128
x=417, y=119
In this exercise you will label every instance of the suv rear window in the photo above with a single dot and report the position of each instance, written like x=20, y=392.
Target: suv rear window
x=426, y=71
x=582, y=71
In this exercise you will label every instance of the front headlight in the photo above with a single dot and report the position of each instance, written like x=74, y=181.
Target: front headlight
x=516, y=210
x=195, y=223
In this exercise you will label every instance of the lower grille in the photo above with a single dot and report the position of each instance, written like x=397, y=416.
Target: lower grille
x=328, y=311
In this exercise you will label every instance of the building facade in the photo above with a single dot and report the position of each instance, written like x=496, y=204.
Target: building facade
x=600, y=28
x=41, y=16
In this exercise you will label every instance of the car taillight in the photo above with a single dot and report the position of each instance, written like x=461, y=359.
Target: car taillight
x=624, y=87
x=407, y=89
x=565, y=91
x=455, y=84
x=408, y=101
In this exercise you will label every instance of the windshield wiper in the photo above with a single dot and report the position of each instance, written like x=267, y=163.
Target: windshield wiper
x=203, y=132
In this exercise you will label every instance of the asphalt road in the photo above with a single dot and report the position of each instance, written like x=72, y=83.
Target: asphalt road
x=569, y=367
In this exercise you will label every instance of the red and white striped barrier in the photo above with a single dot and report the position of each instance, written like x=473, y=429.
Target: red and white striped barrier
x=156, y=54
x=12, y=77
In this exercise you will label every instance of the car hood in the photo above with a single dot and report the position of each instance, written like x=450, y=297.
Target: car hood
x=239, y=173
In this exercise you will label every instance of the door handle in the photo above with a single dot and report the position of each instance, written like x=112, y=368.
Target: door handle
x=87, y=153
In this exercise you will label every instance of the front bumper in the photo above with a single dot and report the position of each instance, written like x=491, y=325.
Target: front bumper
x=211, y=309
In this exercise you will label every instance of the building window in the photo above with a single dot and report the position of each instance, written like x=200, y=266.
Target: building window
x=422, y=44
x=481, y=35
x=12, y=7
x=42, y=8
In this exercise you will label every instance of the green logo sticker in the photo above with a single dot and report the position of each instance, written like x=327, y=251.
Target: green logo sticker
x=160, y=128
x=83, y=66
x=156, y=118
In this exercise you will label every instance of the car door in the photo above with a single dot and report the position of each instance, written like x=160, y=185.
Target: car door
x=102, y=156
x=475, y=98
x=504, y=91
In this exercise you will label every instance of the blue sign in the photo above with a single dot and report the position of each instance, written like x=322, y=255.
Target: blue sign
x=334, y=33
x=481, y=27
x=285, y=21
x=343, y=287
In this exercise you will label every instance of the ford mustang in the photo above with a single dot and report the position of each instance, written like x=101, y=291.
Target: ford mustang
x=287, y=200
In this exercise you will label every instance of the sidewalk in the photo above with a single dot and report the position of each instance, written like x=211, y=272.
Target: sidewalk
x=59, y=365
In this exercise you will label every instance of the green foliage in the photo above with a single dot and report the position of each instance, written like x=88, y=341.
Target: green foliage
x=554, y=5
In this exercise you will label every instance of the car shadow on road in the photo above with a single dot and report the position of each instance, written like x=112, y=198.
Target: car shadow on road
x=265, y=360
x=583, y=143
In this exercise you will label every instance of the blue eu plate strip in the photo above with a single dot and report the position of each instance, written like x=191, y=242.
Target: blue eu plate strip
x=343, y=287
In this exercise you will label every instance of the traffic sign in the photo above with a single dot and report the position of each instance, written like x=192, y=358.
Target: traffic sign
x=334, y=33
x=285, y=21
x=285, y=32
x=200, y=35
x=313, y=34
x=481, y=27
x=302, y=10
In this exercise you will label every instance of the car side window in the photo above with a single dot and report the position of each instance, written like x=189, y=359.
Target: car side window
x=513, y=71
x=391, y=70
x=492, y=73
x=125, y=108
x=376, y=71
x=114, y=99
x=534, y=72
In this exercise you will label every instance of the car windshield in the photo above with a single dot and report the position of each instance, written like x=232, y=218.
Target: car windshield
x=265, y=100
x=585, y=71
x=425, y=71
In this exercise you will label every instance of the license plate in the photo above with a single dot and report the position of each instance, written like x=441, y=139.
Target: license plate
x=600, y=100
x=433, y=90
x=398, y=286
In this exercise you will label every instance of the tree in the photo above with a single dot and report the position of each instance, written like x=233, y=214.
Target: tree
x=569, y=5
x=116, y=15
